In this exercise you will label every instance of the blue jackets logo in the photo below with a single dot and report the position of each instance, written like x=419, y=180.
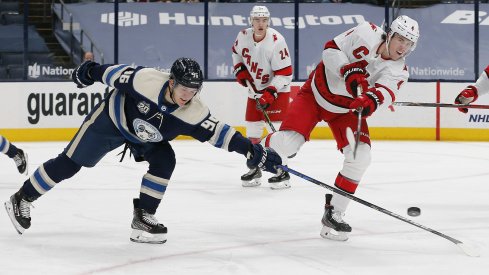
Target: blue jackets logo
x=146, y=132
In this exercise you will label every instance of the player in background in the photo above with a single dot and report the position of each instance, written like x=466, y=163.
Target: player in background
x=362, y=67
x=472, y=92
x=146, y=110
x=19, y=157
x=261, y=57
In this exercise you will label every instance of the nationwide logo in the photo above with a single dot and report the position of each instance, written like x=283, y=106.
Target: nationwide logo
x=35, y=71
x=126, y=19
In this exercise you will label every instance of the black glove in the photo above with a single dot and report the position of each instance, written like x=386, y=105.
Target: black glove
x=355, y=76
x=81, y=75
x=242, y=75
x=368, y=101
x=264, y=158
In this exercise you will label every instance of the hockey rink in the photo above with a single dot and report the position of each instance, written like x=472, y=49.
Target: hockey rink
x=215, y=226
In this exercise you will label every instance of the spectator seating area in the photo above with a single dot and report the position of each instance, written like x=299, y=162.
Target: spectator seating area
x=12, y=43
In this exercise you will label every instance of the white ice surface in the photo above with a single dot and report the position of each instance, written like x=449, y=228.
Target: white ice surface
x=216, y=226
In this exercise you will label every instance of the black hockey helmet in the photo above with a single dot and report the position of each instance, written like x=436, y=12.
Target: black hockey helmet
x=186, y=71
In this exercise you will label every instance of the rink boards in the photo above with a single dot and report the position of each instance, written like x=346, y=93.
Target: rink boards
x=50, y=111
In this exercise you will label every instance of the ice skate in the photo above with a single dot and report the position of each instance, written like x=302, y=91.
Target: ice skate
x=19, y=211
x=334, y=227
x=280, y=180
x=21, y=161
x=252, y=178
x=145, y=227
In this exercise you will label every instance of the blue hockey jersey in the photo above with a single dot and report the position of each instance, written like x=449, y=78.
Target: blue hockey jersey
x=138, y=108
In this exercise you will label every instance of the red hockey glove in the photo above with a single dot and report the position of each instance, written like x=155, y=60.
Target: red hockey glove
x=355, y=76
x=267, y=98
x=369, y=101
x=242, y=74
x=468, y=95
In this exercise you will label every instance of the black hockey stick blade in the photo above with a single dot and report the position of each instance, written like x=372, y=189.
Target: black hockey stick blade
x=468, y=250
x=443, y=105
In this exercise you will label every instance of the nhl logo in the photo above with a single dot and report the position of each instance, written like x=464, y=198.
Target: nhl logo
x=143, y=107
x=163, y=108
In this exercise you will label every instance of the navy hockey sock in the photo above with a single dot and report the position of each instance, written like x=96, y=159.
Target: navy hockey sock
x=48, y=175
x=7, y=147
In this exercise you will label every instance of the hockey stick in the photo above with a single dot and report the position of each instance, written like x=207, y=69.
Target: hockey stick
x=349, y=133
x=267, y=118
x=468, y=250
x=444, y=105
x=357, y=134
x=354, y=139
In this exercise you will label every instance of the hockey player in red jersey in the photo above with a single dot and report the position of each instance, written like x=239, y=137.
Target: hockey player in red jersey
x=472, y=92
x=19, y=157
x=362, y=67
x=261, y=58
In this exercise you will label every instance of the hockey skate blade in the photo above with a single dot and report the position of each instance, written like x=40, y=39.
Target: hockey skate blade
x=252, y=183
x=26, y=172
x=279, y=185
x=468, y=250
x=350, y=137
x=140, y=236
x=331, y=234
x=10, y=211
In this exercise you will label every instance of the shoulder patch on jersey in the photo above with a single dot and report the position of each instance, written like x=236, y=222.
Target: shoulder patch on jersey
x=275, y=37
x=405, y=68
x=243, y=31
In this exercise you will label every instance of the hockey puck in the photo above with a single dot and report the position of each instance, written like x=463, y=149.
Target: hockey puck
x=414, y=211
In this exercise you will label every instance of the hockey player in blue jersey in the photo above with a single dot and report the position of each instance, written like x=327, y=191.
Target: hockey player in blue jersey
x=19, y=157
x=147, y=109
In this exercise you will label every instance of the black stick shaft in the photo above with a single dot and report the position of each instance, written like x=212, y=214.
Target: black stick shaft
x=443, y=105
x=368, y=204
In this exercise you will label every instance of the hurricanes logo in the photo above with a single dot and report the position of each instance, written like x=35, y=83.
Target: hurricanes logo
x=126, y=19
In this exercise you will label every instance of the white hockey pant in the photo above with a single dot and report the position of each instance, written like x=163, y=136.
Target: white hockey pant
x=285, y=143
x=254, y=129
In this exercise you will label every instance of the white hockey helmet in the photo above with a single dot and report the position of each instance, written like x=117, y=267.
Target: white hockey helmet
x=407, y=27
x=259, y=11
